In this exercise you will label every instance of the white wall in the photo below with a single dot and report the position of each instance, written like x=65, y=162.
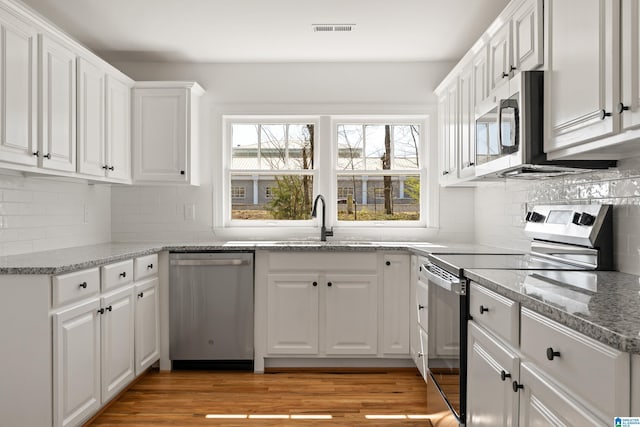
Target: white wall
x=500, y=208
x=157, y=213
x=40, y=213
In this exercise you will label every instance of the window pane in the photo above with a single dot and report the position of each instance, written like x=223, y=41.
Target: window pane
x=273, y=146
x=350, y=146
x=301, y=146
x=375, y=146
x=244, y=146
x=378, y=198
x=287, y=197
x=406, y=139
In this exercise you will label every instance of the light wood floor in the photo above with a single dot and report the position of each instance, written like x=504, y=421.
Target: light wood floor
x=187, y=397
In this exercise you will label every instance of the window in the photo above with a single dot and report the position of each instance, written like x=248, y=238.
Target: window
x=238, y=191
x=277, y=158
x=372, y=172
x=382, y=160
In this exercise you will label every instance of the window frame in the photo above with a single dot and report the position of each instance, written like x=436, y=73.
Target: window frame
x=325, y=176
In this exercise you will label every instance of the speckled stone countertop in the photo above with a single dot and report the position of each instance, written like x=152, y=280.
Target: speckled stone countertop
x=604, y=305
x=77, y=258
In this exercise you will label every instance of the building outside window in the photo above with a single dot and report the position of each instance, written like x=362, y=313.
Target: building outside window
x=238, y=192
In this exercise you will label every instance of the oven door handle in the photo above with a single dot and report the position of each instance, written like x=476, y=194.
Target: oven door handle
x=449, y=285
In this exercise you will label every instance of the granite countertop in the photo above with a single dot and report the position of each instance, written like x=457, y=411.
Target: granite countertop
x=604, y=305
x=77, y=258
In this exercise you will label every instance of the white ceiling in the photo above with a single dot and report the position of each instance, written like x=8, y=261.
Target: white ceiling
x=272, y=30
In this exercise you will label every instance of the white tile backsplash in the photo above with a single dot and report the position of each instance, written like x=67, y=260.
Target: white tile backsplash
x=500, y=207
x=43, y=213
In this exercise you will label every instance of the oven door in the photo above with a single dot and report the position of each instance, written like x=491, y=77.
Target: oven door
x=447, y=326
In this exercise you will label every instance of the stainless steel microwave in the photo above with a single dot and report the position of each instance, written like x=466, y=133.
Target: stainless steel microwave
x=510, y=134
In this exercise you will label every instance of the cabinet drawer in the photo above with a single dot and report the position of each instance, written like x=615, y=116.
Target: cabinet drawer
x=117, y=274
x=597, y=373
x=75, y=286
x=145, y=266
x=495, y=312
x=422, y=298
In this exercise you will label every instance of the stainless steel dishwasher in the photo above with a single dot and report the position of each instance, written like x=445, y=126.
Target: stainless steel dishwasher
x=211, y=310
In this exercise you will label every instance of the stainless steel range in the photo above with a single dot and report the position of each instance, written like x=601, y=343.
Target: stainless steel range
x=564, y=237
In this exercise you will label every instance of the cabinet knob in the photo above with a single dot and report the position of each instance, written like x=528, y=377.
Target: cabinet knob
x=141, y=294
x=445, y=173
x=181, y=172
x=149, y=267
x=504, y=375
x=505, y=75
x=37, y=153
x=315, y=283
x=604, y=114
x=472, y=164
x=47, y=156
x=516, y=386
x=123, y=274
x=329, y=284
x=420, y=268
x=105, y=167
x=101, y=311
x=420, y=306
x=420, y=355
x=388, y=263
x=111, y=168
x=622, y=107
x=483, y=309
x=551, y=354
x=83, y=285
x=109, y=308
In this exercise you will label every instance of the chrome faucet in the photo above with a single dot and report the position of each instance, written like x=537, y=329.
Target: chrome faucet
x=323, y=231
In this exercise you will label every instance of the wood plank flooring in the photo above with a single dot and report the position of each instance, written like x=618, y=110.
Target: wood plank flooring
x=185, y=398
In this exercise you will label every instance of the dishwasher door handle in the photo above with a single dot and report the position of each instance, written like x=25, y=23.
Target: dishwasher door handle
x=210, y=262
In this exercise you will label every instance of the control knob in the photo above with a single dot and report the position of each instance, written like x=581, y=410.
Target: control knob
x=534, y=217
x=583, y=218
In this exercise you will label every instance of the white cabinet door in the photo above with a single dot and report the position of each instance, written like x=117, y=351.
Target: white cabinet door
x=147, y=329
x=118, y=155
x=500, y=63
x=527, y=36
x=491, y=370
x=91, y=117
x=480, y=66
x=117, y=335
x=76, y=363
x=582, y=82
x=544, y=404
x=292, y=313
x=351, y=313
x=396, y=299
x=630, y=55
x=58, y=106
x=467, y=138
x=448, y=117
x=160, y=134
x=18, y=91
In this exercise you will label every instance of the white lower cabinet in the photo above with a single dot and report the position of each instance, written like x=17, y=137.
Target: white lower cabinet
x=492, y=369
x=349, y=318
x=147, y=328
x=544, y=404
x=76, y=363
x=396, y=283
x=547, y=375
x=117, y=342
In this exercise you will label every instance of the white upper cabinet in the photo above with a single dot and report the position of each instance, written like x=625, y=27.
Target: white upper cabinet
x=57, y=148
x=91, y=118
x=629, y=104
x=500, y=64
x=118, y=149
x=467, y=140
x=18, y=91
x=480, y=69
x=582, y=82
x=527, y=36
x=165, y=137
x=448, y=133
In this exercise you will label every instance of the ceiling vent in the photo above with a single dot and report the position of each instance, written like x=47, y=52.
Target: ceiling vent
x=332, y=28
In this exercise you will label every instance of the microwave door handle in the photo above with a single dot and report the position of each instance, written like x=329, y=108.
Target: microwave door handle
x=504, y=104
